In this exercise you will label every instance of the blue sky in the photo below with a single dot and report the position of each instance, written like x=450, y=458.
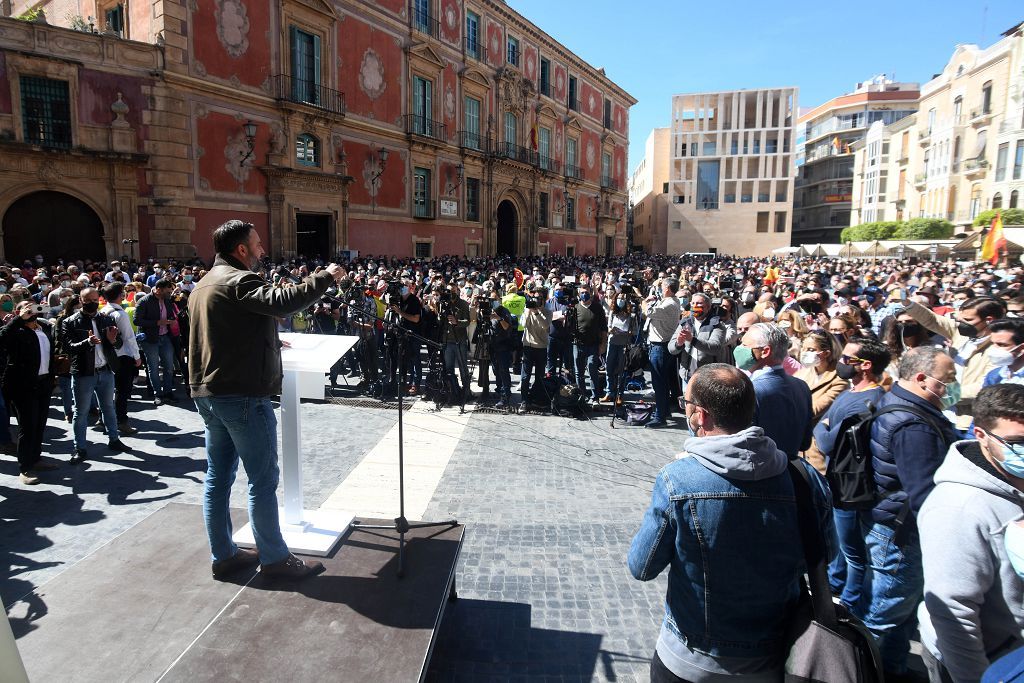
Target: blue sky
x=657, y=48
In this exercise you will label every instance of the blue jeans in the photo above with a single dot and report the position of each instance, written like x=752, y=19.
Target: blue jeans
x=846, y=572
x=661, y=375
x=66, y=395
x=533, y=363
x=83, y=387
x=160, y=354
x=241, y=427
x=587, y=359
x=501, y=361
x=456, y=357
x=560, y=356
x=893, y=588
x=614, y=363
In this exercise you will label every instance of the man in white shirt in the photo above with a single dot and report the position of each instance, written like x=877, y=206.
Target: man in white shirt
x=116, y=274
x=128, y=356
x=663, y=317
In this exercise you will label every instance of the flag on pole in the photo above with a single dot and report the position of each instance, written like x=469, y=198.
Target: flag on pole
x=995, y=241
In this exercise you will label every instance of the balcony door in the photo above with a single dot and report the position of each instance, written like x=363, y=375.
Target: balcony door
x=422, y=107
x=305, y=66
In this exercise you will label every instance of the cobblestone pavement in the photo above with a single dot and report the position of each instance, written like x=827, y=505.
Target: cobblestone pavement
x=550, y=505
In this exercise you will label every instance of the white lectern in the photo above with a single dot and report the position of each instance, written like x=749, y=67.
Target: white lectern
x=305, y=361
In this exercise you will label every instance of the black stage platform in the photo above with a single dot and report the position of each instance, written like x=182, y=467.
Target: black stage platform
x=144, y=608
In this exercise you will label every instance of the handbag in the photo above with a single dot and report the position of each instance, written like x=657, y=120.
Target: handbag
x=61, y=364
x=826, y=644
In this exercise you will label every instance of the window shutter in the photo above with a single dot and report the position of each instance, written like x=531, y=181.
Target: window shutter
x=316, y=67
x=294, y=34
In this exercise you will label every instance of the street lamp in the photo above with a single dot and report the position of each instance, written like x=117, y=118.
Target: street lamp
x=249, y=129
x=130, y=243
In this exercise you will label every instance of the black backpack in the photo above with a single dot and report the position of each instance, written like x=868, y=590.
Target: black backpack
x=850, y=473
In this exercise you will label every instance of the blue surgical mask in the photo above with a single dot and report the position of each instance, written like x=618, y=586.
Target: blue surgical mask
x=494, y=304
x=620, y=304
x=405, y=291
x=1011, y=456
x=1013, y=541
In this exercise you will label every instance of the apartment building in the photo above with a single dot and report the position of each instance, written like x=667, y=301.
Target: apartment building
x=731, y=172
x=883, y=187
x=401, y=128
x=971, y=133
x=649, y=195
x=827, y=135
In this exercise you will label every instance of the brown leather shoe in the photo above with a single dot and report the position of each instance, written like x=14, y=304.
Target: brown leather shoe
x=292, y=568
x=240, y=560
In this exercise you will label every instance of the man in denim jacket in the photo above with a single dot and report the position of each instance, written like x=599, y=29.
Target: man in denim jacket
x=723, y=516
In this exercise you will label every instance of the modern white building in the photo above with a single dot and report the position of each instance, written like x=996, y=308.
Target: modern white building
x=730, y=184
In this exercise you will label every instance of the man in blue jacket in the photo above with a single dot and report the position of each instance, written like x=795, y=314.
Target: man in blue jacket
x=784, y=408
x=723, y=518
x=906, y=450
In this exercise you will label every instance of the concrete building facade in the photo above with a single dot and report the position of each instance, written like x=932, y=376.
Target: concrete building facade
x=827, y=133
x=409, y=129
x=883, y=182
x=731, y=172
x=648, y=193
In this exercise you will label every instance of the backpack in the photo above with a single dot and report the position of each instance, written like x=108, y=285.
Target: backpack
x=639, y=414
x=850, y=473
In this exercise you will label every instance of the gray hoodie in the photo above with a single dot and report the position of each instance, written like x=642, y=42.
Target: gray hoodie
x=747, y=455
x=973, y=609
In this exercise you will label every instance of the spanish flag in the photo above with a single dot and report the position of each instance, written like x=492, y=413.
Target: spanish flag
x=519, y=278
x=534, y=137
x=995, y=241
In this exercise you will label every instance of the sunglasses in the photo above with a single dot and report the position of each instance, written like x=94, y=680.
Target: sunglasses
x=851, y=360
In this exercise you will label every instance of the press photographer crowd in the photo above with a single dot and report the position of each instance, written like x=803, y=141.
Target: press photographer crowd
x=896, y=384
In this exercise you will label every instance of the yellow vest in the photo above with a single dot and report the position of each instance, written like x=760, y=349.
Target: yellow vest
x=516, y=305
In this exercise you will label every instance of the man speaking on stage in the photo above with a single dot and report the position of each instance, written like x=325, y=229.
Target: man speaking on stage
x=234, y=370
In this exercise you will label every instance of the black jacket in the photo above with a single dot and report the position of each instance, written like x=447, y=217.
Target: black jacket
x=73, y=337
x=22, y=350
x=147, y=314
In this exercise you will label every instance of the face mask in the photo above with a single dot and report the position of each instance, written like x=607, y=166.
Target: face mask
x=584, y=297
x=3, y=289
x=845, y=371
x=698, y=310
x=967, y=330
x=65, y=284
x=979, y=292
x=91, y=307
x=952, y=395
x=405, y=291
x=494, y=304
x=1012, y=462
x=809, y=358
x=769, y=314
x=957, y=304
x=840, y=337
x=620, y=304
x=7, y=306
x=1013, y=540
x=32, y=318
x=744, y=357
x=117, y=269
x=684, y=302
x=909, y=329
x=186, y=278
x=689, y=427
x=1000, y=357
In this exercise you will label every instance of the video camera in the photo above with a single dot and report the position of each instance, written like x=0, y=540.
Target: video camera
x=393, y=295
x=570, y=291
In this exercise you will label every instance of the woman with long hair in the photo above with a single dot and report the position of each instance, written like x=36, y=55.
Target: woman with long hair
x=69, y=304
x=819, y=353
x=621, y=330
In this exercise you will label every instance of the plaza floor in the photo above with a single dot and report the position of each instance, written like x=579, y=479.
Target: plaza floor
x=549, y=503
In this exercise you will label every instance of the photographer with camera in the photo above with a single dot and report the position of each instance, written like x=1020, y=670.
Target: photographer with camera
x=453, y=313
x=362, y=308
x=563, y=329
x=591, y=330
x=407, y=308
x=536, y=331
x=663, y=315
x=502, y=341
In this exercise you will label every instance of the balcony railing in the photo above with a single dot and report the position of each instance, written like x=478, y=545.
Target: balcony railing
x=429, y=128
x=470, y=140
x=509, y=150
x=546, y=163
x=980, y=116
x=707, y=205
x=311, y=94
x=573, y=171
x=423, y=22
x=975, y=166
x=609, y=183
x=920, y=179
x=422, y=208
x=476, y=49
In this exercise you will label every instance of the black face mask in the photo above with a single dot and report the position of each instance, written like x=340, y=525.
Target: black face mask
x=909, y=329
x=967, y=330
x=91, y=307
x=845, y=371
x=31, y=318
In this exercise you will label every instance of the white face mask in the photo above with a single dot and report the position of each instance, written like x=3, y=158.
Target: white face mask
x=1001, y=357
x=809, y=358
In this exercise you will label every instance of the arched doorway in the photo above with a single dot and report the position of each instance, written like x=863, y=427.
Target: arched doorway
x=55, y=225
x=508, y=221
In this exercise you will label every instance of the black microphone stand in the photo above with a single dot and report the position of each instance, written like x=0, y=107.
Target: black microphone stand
x=401, y=524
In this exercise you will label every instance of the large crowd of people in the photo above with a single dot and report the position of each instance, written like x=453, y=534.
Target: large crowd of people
x=758, y=361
